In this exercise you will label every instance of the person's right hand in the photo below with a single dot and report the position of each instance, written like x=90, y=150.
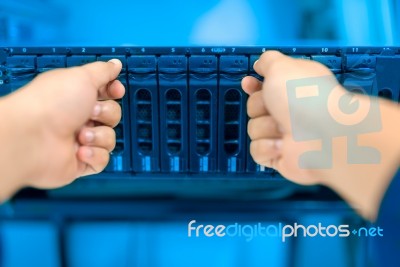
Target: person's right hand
x=270, y=127
x=275, y=142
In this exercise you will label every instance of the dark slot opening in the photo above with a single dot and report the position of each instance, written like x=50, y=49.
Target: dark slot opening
x=385, y=93
x=174, y=131
x=174, y=148
x=202, y=148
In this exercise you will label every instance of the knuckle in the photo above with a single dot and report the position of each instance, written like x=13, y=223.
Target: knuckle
x=250, y=130
x=118, y=111
x=112, y=140
x=254, y=150
x=109, y=137
x=263, y=147
x=112, y=112
x=104, y=158
x=251, y=101
x=260, y=148
x=268, y=123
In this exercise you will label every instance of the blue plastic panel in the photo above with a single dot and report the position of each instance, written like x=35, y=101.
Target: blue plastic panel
x=144, y=113
x=203, y=97
x=73, y=61
x=387, y=77
x=173, y=113
x=21, y=70
x=46, y=62
x=232, y=118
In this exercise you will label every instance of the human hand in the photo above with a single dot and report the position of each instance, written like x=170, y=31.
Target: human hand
x=270, y=127
x=273, y=138
x=67, y=118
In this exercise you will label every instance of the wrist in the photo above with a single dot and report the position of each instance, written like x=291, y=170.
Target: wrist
x=364, y=185
x=21, y=131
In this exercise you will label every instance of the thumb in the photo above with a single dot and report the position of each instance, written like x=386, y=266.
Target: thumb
x=263, y=65
x=101, y=73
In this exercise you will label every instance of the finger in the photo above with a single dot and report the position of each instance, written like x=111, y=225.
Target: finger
x=113, y=90
x=92, y=159
x=269, y=164
x=265, y=150
x=101, y=73
x=264, y=127
x=90, y=123
x=100, y=136
x=266, y=60
x=107, y=112
x=256, y=106
x=251, y=85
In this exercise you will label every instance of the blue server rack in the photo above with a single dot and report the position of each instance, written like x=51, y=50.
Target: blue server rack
x=184, y=116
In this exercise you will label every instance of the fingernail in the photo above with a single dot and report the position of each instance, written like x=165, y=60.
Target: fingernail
x=255, y=63
x=88, y=152
x=96, y=110
x=278, y=144
x=89, y=136
x=115, y=61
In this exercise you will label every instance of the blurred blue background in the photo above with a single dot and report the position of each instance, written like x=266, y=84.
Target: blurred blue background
x=207, y=22
x=36, y=242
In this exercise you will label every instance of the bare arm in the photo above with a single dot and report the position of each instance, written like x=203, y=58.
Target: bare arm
x=59, y=127
x=283, y=131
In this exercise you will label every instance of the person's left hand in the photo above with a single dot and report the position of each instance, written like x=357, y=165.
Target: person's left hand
x=68, y=117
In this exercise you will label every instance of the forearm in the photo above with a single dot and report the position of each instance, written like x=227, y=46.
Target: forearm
x=326, y=135
x=364, y=185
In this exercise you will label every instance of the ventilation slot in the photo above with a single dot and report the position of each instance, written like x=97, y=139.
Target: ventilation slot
x=174, y=127
x=203, y=123
x=232, y=119
x=143, y=113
